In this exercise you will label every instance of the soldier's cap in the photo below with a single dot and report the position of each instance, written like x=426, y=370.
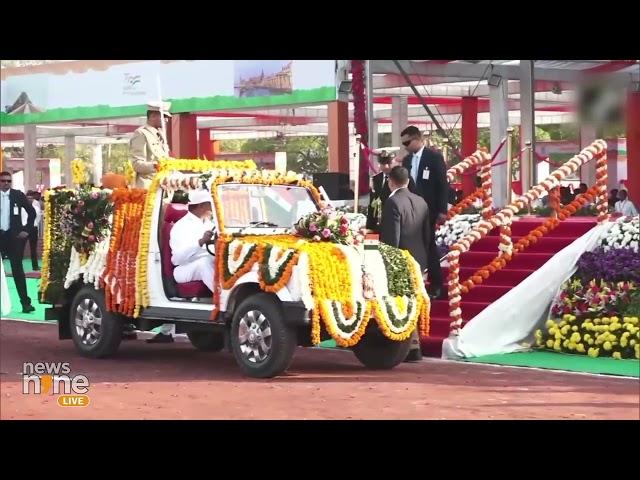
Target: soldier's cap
x=196, y=197
x=385, y=158
x=155, y=107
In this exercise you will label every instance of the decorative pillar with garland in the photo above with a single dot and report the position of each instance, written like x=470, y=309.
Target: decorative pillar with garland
x=360, y=122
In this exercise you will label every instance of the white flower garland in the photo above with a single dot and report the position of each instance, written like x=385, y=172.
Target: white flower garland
x=338, y=321
x=234, y=265
x=92, y=270
x=273, y=264
x=410, y=310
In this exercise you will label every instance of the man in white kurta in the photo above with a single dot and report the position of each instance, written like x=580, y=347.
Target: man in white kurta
x=188, y=240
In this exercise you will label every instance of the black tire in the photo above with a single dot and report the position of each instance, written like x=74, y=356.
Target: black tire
x=207, y=341
x=377, y=352
x=281, y=342
x=93, y=342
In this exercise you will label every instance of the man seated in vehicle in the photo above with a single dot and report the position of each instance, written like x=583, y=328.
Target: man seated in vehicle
x=188, y=239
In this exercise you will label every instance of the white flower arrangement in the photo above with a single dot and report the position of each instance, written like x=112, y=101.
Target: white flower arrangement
x=625, y=233
x=92, y=269
x=453, y=230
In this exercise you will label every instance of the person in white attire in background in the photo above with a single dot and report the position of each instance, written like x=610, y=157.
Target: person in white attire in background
x=624, y=206
x=5, y=299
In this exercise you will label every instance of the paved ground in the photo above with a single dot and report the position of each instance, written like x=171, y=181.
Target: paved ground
x=178, y=382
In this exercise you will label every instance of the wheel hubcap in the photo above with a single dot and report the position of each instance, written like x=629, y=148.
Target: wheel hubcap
x=88, y=322
x=254, y=336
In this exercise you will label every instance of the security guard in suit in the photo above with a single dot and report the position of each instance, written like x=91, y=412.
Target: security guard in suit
x=148, y=144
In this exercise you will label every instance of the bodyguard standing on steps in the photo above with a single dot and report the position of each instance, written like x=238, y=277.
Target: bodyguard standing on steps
x=429, y=172
x=13, y=235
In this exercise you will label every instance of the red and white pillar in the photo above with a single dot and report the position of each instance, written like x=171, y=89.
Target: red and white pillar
x=469, y=140
x=184, y=136
x=338, y=117
x=205, y=145
x=633, y=146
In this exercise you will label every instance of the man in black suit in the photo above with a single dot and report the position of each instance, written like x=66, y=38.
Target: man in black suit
x=405, y=225
x=379, y=193
x=428, y=170
x=13, y=235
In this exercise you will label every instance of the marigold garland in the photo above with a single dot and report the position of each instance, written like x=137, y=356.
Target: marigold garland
x=465, y=203
x=424, y=303
x=119, y=276
x=142, y=290
x=46, y=243
x=283, y=275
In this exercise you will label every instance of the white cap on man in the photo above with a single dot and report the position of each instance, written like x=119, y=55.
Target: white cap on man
x=157, y=106
x=196, y=197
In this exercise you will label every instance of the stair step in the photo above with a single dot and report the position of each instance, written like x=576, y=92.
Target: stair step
x=569, y=228
x=548, y=244
x=470, y=308
x=486, y=293
x=522, y=260
x=506, y=276
x=432, y=346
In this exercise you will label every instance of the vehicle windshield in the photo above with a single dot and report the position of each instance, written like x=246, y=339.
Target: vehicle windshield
x=264, y=206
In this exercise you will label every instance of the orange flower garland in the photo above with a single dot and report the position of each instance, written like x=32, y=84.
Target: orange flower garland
x=465, y=203
x=602, y=205
x=119, y=276
x=500, y=262
x=485, y=177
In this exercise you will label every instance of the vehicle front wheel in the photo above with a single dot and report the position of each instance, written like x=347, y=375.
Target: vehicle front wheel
x=262, y=343
x=95, y=332
x=377, y=352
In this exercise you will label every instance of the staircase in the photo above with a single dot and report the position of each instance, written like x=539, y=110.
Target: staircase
x=520, y=267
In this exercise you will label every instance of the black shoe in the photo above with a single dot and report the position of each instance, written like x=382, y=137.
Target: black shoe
x=414, y=356
x=36, y=268
x=161, y=338
x=28, y=309
x=436, y=294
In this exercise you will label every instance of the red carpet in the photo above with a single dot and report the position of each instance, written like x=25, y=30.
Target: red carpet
x=520, y=267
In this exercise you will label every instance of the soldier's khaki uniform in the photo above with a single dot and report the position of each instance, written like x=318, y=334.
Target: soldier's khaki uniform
x=147, y=146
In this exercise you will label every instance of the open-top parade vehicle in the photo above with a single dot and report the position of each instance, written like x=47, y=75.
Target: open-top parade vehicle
x=288, y=270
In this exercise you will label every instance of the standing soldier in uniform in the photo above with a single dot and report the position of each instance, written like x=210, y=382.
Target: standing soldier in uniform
x=148, y=144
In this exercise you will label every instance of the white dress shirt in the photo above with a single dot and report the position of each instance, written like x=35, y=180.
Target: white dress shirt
x=626, y=208
x=25, y=216
x=5, y=214
x=184, y=239
x=415, y=164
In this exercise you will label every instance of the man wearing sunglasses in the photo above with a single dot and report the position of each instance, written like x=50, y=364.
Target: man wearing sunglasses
x=13, y=235
x=429, y=172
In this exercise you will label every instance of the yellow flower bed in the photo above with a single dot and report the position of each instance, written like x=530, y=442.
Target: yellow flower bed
x=597, y=337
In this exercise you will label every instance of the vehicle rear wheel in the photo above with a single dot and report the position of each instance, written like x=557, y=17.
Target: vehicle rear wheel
x=207, y=341
x=377, y=352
